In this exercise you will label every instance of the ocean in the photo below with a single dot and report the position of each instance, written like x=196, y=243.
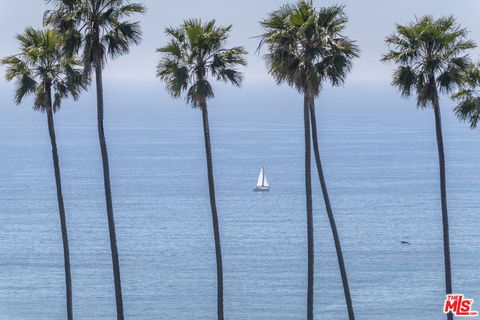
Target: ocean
x=381, y=168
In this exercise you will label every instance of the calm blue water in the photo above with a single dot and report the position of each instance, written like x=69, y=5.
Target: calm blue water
x=381, y=167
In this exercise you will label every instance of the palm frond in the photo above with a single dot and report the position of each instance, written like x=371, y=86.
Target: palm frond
x=468, y=109
x=431, y=57
x=96, y=28
x=199, y=92
x=306, y=46
x=197, y=50
x=468, y=96
x=120, y=38
x=175, y=76
x=41, y=64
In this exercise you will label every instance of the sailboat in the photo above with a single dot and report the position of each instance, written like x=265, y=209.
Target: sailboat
x=262, y=182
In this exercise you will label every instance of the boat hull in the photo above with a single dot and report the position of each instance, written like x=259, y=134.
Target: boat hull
x=261, y=189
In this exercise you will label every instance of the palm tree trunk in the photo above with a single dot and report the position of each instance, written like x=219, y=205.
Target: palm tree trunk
x=108, y=195
x=308, y=195
x=61, y=207
x=331, y=218
x=213, y=206
x=443, y=196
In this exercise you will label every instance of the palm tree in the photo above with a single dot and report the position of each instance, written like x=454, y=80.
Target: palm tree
x=431, y=59
x=42, y=70
x=195, y=53
x=99, y=29
x=305, y=49
x=468, y=98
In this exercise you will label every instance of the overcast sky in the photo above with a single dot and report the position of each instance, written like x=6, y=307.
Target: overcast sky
x=370, y=22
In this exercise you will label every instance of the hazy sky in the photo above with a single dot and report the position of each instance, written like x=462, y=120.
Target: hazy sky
x=370, y=22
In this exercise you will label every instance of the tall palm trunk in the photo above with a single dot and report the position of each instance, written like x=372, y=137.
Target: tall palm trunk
x=213, y=206
x=308, y=195
x=443, y=196
x=331, y=218
x=61, y=207
x=108, y=194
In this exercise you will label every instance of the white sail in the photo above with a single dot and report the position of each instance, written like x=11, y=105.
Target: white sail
x=261, y=178
x=265, y=181
x=262, y=182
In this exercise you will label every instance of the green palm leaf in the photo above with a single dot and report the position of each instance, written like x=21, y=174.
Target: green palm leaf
x=430, y=57
x=306, y=47
x=468, y=97
x=41, y=61
x=195, y=52
x=96, y=28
